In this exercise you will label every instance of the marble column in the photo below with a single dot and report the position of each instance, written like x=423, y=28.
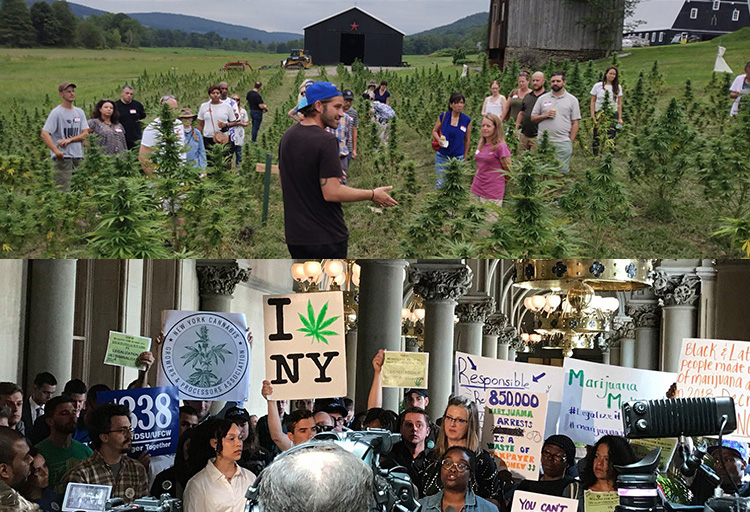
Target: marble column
x=493, y=326
x=472, y=311
x=679, y=294
x=217, y=280
x=381, y=290
x=626, y=341
x=351, y=361
x=52, y=298
x=440, y=284
x=646, y=314
x=707, y=308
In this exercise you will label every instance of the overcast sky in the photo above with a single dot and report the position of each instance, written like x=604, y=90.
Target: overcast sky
x=409, y=16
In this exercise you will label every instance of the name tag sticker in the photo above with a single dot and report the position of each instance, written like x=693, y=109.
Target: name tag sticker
x=463, y=128
x=118, y=129
x=76, y=119
x=515, y=96
x=547, y=104
x=133, y=111
x=476, y=152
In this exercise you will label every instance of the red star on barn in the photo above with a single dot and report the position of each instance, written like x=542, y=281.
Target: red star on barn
x=354, y=26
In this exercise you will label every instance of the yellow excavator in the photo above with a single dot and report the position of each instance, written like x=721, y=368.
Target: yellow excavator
x=298, y=59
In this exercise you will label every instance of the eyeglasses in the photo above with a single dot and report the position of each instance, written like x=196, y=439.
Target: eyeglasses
x=322, y=428
x=338, y=421
x=124, y=431
x=460, y=421
x=461, y=467
x=553, y=456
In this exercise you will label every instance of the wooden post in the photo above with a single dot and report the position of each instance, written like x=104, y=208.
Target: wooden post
x=266, y=188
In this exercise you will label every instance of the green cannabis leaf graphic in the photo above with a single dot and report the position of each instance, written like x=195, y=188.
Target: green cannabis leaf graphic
x=314, y=326
x=204, y=356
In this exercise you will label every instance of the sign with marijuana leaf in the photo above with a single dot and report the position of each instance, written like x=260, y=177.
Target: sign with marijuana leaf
x=124, y=349
x=206, y=355
x=305, y=345
x=405, y=369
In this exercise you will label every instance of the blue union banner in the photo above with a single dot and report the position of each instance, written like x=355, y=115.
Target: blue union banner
x=154, y=416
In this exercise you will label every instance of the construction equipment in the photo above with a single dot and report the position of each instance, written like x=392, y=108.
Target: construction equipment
x=237, y=65
x=298, y=59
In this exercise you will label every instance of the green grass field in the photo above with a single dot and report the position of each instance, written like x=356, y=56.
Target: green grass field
x=31, y=76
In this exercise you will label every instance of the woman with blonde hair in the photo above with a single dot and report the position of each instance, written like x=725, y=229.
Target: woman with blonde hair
x=460, y=427
x=493, y=162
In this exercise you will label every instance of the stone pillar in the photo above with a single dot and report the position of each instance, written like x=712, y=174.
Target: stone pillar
x=217, y=280
x=679, y=294
x=645, y=313
x=493, y=326
x=707, y=308
x=440, y=284
x=626, y=342
x=351, y=361
x=378, y=323
x=472, y=311
x=52, y=298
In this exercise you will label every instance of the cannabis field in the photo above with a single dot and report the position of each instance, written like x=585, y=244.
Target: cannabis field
x=675, y=183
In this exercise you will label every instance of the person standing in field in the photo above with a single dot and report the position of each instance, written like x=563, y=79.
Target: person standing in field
x=131, y=114
x=351, y=141
x=63, y=133
x=257, y=108
x=558, y=113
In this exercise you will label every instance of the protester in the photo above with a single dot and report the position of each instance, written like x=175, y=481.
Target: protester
x=734, y=455
x=12, y=396
x=336, y=409
x=257, y=108
x=111, y=438
x=37, y=487
x=318, y=477
x=202, y=408
x=152, y=138
x=460, y=427
x=382, y=94
x=558, y=454
x=496, y=102
x=15, y=468
x=222, y=484
x=76, y=390
x=174, y=479
x=457, y=467
x=528, y=129
x=42, y=390
x=310, y=171
x=84, y=420
x=300, y=425
x=4, y=415
x=323, y=422
x=739, y=88
x=413, y=451
x=63, y=133
x=516, y=96
x=379, y=418
x=264, y=433
x=351, y=141
x=239, y=130
x=608, y=87
x=195, y=149
x=453, y=132
x=254, y=457
x=215, y=118
x=131, y=114
x=558, y=113
x=60, y=450
x=188, y=418
x=599, y=470
x=493, y=163
x=105, y=122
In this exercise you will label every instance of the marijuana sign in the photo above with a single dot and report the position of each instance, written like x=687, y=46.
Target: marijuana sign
x=206, y=355
x=305, y=345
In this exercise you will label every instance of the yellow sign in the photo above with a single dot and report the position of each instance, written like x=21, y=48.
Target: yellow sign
x=643, y=447
x=600, y=501
x=124, y=349
x=405, y=369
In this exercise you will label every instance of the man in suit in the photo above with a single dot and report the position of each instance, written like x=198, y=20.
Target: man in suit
x=42, y=390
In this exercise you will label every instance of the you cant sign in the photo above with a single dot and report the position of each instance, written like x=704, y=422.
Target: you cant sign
x=305, y=345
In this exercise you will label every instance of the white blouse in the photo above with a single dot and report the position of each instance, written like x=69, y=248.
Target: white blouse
x=209, y=490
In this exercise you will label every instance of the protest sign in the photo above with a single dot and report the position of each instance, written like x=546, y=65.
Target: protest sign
x=206, y=355
x=154, y=417
x=524, y=501
x=514, y=430
x=305, y=345
x=643, y=447
x=124, y=349
x=711, y=368
x=476, y=376
x=600, y=501
x=593, y=394
x=405, y=369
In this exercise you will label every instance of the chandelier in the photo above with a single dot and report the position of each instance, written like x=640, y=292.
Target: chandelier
x=575, y=318
x=412, y=319
x=331, y=275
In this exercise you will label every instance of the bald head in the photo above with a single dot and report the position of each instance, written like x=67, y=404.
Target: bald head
x=172, y=102
x=537, y=81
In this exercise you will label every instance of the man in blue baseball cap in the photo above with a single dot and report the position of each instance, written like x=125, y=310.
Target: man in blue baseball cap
x=734, y=455
x=310, y=169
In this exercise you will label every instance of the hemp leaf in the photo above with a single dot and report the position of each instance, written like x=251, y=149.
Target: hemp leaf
x=314, y=326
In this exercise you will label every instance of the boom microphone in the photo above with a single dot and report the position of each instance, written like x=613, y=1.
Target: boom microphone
x=679, y=416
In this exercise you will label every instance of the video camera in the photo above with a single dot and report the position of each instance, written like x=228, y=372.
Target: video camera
x=393, y=488
x=677, y=417
x=165, y=503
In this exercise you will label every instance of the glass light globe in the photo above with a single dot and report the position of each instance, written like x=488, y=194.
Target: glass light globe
x=553, y=300
x=527, y=302
x=538, y=302
x=419, y=312
x=405, y=313
x=525, y=336
x=298, y=272
x=355, y=279
x=334, y=268
x=580, y=296
x=610, y=304
x=340, y=279
x=356, y=269
x=312, y=269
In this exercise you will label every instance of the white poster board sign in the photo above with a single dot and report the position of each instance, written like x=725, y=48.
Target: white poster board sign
x=524, y=501
x=711, y=368
x=477, y=376
x=593, y=394
x=206, y=355
x=305, y=345
x=514, y=430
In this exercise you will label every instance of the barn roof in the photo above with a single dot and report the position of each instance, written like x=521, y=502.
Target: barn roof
x=656, y=14
x=355, y=9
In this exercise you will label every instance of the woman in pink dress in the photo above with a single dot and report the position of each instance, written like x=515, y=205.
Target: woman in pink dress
x=493, y=163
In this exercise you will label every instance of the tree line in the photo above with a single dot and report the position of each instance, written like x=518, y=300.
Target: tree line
x=55, y=26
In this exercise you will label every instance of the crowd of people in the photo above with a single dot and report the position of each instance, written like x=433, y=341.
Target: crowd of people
x=49, y=440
